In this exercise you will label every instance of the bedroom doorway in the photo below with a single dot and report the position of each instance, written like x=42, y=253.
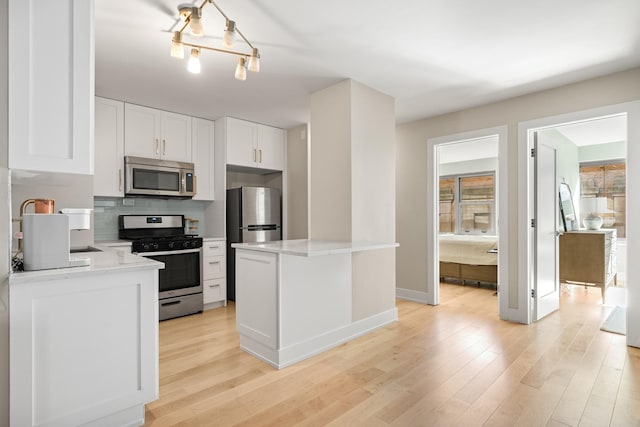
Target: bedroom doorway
x=610, y=163
x=591, y=165
x=463, y=208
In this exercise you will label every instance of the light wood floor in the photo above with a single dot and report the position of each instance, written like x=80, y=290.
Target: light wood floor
x=451, y=365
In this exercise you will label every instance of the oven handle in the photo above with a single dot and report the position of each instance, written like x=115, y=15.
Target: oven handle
x=176, y=252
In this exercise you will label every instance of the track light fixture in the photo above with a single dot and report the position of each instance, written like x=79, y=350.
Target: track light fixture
x=192, y=17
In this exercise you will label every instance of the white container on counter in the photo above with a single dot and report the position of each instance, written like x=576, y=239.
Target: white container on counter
x=79, y=219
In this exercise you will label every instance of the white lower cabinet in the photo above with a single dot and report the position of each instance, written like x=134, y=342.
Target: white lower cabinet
x=214, y=282
x=256, y=297
x=84, y=348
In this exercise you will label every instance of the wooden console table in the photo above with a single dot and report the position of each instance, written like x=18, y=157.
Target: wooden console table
x=588, y=257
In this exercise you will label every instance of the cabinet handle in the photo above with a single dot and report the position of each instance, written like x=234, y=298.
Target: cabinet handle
x=214, y=286
x=164, y=147
x=119, y=179
x=157, y=149
x=260, y=152
x=214, y=247
x=214, y=262
x=254, y=154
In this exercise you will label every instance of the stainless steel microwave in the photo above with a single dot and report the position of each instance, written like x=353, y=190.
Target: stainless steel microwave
x=154, y=177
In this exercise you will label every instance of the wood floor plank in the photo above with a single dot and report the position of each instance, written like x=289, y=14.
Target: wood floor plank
x=455, y=364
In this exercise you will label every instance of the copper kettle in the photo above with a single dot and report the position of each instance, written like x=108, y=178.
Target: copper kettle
x=41, y=206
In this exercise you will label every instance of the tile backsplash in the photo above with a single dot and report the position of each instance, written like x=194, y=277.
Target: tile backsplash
x=106, y=211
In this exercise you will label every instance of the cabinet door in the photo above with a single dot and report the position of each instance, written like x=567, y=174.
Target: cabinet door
x=50, y=76
x=202, y=138
x=256, y=296
x=270, y=148
x=101, y=363
x=175, y=141
x=108, y=179
x=141, y=131
x=213, y=267
x=214, y=290
x=241, y=142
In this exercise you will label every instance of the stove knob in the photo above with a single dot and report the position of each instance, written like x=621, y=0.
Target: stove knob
x=185, y=244
x=156, y=246
x=171, y=245
x=194, y=244
x=145, y=247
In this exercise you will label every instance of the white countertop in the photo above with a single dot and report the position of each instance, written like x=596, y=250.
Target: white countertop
x=109, y=260
x=308, y=248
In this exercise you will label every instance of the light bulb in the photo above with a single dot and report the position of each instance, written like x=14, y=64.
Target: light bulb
x=241, y=72
x=177, y=48
x=254, y=61
x=194, y=62
x=195, y=23
x=229, y=33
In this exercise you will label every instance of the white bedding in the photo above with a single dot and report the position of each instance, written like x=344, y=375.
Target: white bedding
x=465, y=249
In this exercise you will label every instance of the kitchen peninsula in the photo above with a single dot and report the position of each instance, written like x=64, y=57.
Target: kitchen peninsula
x=294, y=298
x=84, y=342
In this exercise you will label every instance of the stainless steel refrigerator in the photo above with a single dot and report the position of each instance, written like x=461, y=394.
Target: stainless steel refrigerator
x=253, y=215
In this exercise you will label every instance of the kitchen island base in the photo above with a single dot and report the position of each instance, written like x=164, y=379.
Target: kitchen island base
x=84, y=343
x=292, y=306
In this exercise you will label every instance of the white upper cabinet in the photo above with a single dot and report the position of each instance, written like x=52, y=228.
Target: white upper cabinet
x=203, y=158
x=51, y=85
x=254, y=145
x=108, y=179
x=242, y=140
x=271, y=147
x=157, y=134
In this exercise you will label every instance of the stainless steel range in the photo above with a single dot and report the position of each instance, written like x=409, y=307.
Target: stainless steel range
x=162, y=238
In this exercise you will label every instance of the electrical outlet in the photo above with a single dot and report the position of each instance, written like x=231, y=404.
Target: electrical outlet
x=128, y=202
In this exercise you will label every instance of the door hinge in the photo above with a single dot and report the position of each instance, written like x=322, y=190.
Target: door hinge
x=533, y=152
x=533, y=293
x=533, y=222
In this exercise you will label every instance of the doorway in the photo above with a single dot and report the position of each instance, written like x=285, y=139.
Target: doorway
x=526, y=258
x=433, y=200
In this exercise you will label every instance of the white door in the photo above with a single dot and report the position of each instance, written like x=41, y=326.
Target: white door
x=546, y=283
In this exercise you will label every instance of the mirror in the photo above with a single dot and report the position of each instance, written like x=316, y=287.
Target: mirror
x=567, y=211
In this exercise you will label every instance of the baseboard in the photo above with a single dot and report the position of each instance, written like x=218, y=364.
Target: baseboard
x=297, y=352
x=214, y=305
x=411, y=295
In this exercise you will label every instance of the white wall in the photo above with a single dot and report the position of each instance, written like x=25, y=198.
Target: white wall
x=601, y=152
x=352, y=186
x=469, y=166
x=373, y=212
x=330, y=164
x=298, y=177
x=5, y=216
x=411, y=256
x=68, y=191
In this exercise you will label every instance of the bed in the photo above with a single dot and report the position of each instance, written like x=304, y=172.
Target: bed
x=473, y=258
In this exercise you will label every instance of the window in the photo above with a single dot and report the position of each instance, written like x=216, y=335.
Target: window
x=605, y=180
x=467, y=204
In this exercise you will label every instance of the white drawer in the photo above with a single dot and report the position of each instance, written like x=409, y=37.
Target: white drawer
x=214, y=290
x=213, y=267
x=214, y=248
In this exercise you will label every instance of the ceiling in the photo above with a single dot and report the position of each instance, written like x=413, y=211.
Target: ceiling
x=432, y=56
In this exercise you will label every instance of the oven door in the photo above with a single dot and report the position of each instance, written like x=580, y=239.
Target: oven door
x=181, y=273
